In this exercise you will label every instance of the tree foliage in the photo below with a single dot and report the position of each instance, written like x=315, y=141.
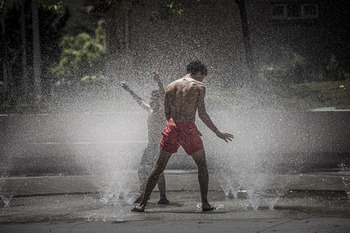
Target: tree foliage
x=332, y=71
x=167, y=10
x=290, y=68
x=52, y=5
x=133, y=3
x=173, y=8
x=82, y=56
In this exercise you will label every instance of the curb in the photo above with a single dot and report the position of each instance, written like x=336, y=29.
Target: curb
x=175, y=180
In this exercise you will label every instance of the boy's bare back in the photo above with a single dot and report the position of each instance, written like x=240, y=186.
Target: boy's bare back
x=182, y=99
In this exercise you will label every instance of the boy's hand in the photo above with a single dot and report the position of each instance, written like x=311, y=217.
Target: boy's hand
x=225, y=136
x=124, y=85
x=156, y=76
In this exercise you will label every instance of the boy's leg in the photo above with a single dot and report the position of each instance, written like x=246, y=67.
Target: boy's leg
x=161, y=186
x=203, y=178
x=162, y=190
x=159, y=166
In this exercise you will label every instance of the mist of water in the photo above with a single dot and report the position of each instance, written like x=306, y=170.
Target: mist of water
x=6, y=191
x=346, y=182
x=108, y=146
x=115, y=152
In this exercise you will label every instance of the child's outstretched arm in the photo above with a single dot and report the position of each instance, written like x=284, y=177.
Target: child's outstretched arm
x=160, y=84
x=138, y=99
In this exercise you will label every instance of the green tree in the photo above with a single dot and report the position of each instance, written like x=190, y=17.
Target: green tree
x=82, y=56
x=332, y=70
x=290, y=68
x=173, y=8
x=36, y=53
x=169, y=9
x=17, y=45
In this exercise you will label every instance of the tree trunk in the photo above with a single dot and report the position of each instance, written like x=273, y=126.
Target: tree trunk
x=4, y=61
x=25, y=81
x=119, y=57
x=246, y=41
x=123, y=19
x=36, y=53
x=118, y=27
x=112, y=40
x=127, y=26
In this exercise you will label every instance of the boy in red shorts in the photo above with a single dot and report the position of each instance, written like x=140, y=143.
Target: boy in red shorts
x=183, y=98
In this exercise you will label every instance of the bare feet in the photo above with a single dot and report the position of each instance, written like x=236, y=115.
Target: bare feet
x=138, y=209
x=163, y=201
x=207, y=207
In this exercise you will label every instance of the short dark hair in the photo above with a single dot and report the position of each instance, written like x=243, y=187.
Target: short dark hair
x=195, y=67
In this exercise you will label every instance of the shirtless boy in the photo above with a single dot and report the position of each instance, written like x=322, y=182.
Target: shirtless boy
x=155, y=125
x=183, y=98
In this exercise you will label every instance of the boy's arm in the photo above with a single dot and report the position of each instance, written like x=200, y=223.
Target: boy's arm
x=138, y=99
x=160, y=84
x=203, y=115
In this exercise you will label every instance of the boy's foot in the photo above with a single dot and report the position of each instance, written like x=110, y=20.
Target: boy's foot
x=163, y=201
x=138, y=209
x=138, y=200
x=207, y=207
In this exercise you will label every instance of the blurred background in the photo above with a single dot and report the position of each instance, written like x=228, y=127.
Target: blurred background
x=68, y=55
x=278, y=79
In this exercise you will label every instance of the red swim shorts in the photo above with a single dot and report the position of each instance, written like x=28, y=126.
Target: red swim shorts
x=185, y=134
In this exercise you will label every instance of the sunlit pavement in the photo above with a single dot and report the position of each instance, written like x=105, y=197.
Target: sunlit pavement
x=314, y=202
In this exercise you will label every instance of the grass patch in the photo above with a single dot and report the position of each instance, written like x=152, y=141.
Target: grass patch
x=302, y=96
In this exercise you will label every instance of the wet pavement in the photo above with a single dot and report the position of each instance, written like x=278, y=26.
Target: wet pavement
x=313, y=202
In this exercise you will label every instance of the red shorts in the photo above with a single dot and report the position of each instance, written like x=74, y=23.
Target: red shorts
x=185, y=134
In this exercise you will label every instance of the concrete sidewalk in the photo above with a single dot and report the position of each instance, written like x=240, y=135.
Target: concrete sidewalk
x=334, y=225
x=314, y=202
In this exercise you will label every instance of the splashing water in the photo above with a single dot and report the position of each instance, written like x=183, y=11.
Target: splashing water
x=254, y=198
x=6, y=198
x=6, y=193
x=346, y=182
x=217, y=207
x=251, y=189
x=271, y=202
x=112, y=162
x=343, y=167
x=115, y=190
x=230, y=186
x=271, y=198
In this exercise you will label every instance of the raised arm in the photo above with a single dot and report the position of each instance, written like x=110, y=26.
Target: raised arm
x=138, y=99
x=203, y=115
x=160, y=84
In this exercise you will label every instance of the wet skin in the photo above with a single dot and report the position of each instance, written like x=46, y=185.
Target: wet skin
x=183, y=98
